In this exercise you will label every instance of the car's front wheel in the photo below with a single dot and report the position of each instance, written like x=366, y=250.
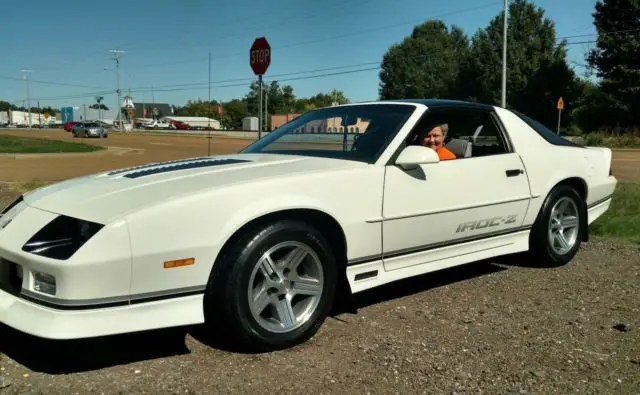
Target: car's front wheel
x=557, y=233
x=273, y=288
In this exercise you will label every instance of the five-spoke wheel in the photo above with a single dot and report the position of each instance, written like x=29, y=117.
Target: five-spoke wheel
x=273, y=287
x=285, y=286
x=563, y=225
x=557, y=232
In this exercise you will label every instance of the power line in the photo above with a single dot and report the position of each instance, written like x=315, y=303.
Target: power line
x=600, y=33
x=582, y=42
x=188, y=88
x=248, y=83
x=339, y=36
x=51, y=82
x=271, y=76
x=249, y=32
x=73, y=96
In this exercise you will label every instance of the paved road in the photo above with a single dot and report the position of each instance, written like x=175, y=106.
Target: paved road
x=626, y=165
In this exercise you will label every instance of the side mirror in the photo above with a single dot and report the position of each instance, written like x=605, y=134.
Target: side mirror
x=415, y=155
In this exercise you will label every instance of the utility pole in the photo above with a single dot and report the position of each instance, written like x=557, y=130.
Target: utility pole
x=26, y=77
x=504, y=57
x=209, y=112
x=266, y=106
x=259, y=106
x=116, y=56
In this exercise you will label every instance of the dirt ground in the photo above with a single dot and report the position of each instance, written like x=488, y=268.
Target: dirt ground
x=499, y=327
x=485, y=328
x=134, y=149
x=125, y=150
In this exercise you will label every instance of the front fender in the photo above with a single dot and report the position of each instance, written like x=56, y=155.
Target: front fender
x=254, y=210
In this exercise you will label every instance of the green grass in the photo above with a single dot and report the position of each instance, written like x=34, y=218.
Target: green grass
x=27, y=186
x=622, y=220
x=29, y=145
x=629, y=139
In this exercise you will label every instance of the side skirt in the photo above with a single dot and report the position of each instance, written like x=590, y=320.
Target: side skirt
x=374, y=273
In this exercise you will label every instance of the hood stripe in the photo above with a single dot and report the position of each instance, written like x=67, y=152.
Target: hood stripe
x=183, y=166
x=148, y=165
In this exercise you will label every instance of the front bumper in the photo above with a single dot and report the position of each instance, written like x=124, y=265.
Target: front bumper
x=48, y=323
x=92, y=294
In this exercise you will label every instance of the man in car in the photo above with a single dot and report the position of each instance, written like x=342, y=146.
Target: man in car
x=434, y=139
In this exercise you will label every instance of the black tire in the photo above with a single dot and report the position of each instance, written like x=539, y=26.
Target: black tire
x=226, y=301
x=541, y=249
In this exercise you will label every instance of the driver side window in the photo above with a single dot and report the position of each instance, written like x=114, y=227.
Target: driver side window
x=470, y=133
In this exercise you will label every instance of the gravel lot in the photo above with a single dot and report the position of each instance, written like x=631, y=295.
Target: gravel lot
x=489, y=328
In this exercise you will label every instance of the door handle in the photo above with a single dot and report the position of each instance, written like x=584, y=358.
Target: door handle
x=514, y=172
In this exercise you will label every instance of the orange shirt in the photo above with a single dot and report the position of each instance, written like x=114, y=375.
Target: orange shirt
x=445, y=154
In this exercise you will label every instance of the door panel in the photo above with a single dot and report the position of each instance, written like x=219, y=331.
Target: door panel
x=451, y=201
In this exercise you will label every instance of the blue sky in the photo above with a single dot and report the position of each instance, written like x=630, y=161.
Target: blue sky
x=66, y=43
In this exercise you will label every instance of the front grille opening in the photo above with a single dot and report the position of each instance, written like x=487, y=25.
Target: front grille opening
x=10, y=277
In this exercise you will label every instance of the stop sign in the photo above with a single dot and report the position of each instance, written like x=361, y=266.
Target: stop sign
x=260, y=55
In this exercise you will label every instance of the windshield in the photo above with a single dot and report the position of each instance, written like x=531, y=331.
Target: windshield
x=355, y=132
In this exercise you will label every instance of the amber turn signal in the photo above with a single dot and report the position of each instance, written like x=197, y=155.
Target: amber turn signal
x=179, y=263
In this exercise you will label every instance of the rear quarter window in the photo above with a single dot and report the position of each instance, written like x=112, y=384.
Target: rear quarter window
x=545, y=132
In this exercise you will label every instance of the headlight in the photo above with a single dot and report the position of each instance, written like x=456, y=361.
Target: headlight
x=61, y=238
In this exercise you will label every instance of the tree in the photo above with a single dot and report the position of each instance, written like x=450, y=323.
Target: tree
x=233, y=112
x=280, y=99
x=616, y=57
x=321, y=100
x=593, y=109
x=6, y=106
x=425, y=64
x=96, y=106
x=537, y=69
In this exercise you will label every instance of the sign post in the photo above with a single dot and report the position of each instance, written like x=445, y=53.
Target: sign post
x=560, y=107
x=259, y=60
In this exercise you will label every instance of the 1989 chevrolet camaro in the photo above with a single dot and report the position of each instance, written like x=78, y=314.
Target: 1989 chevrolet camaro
x=259, y=243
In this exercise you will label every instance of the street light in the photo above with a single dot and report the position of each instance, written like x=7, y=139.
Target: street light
x=26, y=72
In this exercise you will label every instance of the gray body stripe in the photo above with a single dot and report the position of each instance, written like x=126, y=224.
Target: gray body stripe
x=111, y=301
x=597, y=202
x=427, y=247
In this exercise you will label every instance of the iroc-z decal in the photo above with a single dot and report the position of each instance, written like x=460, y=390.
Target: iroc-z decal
x=486, y=223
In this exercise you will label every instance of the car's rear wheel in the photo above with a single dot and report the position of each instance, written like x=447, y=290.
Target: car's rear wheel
x=557, y=233
x=273, y=288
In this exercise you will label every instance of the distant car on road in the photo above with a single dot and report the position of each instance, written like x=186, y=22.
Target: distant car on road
x=89, y=129
x=260, y=243
x=69, y=126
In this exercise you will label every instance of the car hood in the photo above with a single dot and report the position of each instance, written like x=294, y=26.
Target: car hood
x=106, y=196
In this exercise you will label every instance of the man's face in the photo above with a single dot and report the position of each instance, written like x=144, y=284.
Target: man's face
x=434, y=138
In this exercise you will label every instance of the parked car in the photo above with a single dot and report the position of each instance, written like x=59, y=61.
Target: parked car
x=259, y=244
x=156, y=124
x=90, y=129
x=69, y=126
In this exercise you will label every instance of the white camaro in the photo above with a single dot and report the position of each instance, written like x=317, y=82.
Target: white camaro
x=257, y=244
